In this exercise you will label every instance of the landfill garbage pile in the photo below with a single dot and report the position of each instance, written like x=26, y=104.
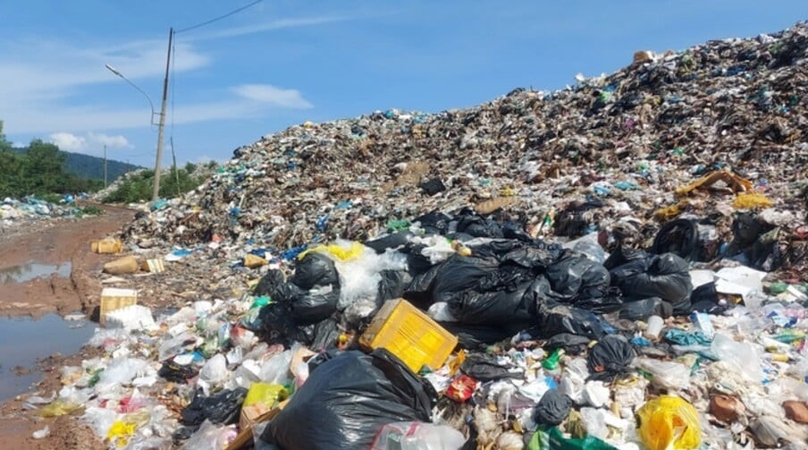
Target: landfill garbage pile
x=17, y=211
x=536, y=273
x=699, y=133
x=479, y=337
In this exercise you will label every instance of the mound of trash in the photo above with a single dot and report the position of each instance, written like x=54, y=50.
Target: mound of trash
x=611, y=153
x=14, y=212
x=616, y=265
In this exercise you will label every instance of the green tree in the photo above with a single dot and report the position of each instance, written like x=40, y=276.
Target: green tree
x=44, y=168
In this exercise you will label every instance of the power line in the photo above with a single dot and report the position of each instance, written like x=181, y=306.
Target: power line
x=235, y=11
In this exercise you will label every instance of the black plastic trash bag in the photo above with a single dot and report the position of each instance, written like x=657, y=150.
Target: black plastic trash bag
x=269, y=282
x=576, y=275
x=578, y=280
x=177, y=373
x=553, y=408
x=574, y=220
x=571, y=343
x=326, y=335
x=461, y=273
x=495, y=308
x=705, y=299
x=315, y=305
x=419, y=291
x=434, y=222
x=485, y=368
x=645, y=308
x=347, y=399
x=556, y=318
x=392, y=285
x=279, y=327
x=610, y=357
x=644, y=276
x=680, y=237
x=432, y=186
x=315, y=269
x=390, y=241
x=221, y=408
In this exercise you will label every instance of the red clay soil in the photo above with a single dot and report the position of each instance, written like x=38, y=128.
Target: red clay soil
x=53, y=242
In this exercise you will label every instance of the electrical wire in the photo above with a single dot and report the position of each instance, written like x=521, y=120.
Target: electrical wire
x=235, y=11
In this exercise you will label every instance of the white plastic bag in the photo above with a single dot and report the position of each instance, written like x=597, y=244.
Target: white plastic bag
x=211, y=437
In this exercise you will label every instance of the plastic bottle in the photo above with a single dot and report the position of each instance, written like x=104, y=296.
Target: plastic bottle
x=655, y=324
x=551, y=363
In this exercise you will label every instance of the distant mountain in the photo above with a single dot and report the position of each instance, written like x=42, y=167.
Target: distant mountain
x=92, y=167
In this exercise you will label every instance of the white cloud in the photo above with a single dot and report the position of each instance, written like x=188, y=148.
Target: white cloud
x=90, y=143
x=68, y=141
x=271, y=95
x=266, y=26
x=45, y=85
x=116, y=141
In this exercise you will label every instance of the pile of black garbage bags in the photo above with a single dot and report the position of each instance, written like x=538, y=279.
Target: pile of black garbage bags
x=507, y=283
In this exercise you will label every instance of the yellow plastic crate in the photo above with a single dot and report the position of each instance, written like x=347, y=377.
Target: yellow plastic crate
x=411, y=335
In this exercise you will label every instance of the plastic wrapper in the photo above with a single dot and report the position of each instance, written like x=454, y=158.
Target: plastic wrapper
x=589, y=246
x=59, y=408
x=215, y=370
x=211, y=437
x=744, y=357
x=554, y=439
x=666, y=374
x=417, y=436
x=276, y=369
x=669, y=422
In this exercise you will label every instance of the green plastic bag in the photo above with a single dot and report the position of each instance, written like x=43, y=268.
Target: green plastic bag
x=554, y=439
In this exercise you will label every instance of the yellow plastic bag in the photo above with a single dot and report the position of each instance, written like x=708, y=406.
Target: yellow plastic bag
x=120, y=433
x=343, y=252
x=252, y=261
x=122, y=430
x=59, y=408
x=265, y=394
x=669, y=422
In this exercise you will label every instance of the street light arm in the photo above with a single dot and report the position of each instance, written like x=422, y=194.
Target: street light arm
x=151, y=104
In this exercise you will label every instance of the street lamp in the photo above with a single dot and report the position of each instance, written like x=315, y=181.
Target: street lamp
x=162, y=124
x=118, y=73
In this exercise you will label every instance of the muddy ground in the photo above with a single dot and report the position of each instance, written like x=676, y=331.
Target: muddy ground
x=53, y=242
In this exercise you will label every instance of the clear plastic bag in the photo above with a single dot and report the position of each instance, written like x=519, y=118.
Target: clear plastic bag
x=211, y=437
x=418, y=436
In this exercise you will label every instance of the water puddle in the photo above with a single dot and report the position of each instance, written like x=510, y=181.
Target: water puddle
x=31, y=271
x=23, y=341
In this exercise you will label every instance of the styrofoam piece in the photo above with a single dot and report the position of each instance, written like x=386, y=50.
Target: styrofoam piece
x=131, y=318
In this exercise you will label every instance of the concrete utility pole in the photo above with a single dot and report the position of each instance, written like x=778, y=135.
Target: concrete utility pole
x=162, y=123
x=105, y=165
x=161, y=127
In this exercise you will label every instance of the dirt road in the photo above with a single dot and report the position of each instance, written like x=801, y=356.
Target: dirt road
x=62, y=244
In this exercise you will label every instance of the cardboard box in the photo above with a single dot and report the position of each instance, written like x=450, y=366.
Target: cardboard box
x=245, y=435
x=410, y=334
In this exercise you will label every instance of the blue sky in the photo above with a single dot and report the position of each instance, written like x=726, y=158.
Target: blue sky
x=284, y=62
